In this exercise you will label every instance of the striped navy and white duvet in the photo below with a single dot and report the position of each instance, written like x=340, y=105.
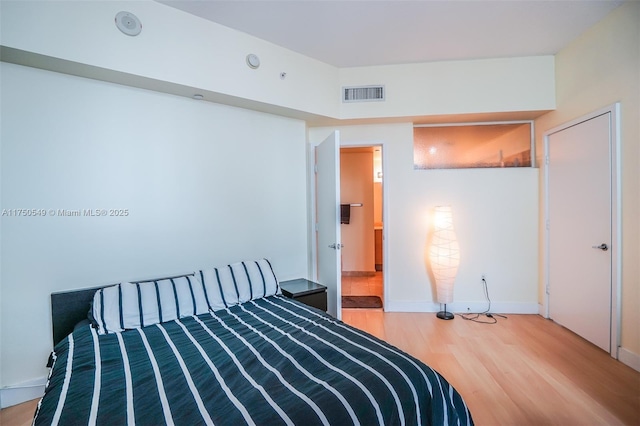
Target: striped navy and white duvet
x=268, y=361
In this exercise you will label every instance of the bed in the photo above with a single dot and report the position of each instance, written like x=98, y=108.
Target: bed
x=223, y=346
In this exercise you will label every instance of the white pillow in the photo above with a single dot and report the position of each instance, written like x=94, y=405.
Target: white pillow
x=105, y=310
x=238, y=283
x=132, y=305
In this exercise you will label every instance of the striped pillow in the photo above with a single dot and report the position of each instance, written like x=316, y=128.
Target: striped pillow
x=132, y=305
x=238, y=283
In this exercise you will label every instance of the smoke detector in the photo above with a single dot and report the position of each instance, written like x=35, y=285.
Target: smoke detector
x=128, y=23
x=253, y=61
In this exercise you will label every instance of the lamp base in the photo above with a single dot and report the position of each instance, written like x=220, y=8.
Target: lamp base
x=445, y=315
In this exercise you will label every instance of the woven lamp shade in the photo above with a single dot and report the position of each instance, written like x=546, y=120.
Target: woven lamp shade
x=444, y=254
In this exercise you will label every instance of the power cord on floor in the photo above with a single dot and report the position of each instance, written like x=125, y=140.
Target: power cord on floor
x=485, y=317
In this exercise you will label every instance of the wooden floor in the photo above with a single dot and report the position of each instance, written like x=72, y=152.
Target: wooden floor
x=18, y=415
x=523, y=370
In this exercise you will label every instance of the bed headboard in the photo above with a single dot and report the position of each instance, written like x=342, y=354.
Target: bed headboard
x=68, y=308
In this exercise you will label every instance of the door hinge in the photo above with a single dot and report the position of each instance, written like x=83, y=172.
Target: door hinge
x=316, y=226
x=546, y=160
x=315, y=168
x=547, y=224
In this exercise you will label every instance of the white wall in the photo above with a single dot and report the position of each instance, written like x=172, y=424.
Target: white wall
x=204, y=185
x=454, y=87
x=495, y=215
x=174, y=47
x=179, y=49
x=600, y=68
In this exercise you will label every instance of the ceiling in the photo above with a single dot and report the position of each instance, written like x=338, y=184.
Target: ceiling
x=365, y=33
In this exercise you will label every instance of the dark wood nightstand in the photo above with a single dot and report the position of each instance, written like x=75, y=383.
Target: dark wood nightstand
x=307, y=292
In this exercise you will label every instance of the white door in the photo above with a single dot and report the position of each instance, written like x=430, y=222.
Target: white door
x=328, y=220
x=580, y=229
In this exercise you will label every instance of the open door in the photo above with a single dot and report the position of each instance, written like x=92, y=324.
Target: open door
x=328, y=220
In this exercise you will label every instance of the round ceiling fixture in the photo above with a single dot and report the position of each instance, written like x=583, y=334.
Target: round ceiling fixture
x=253, y=61
x=128, y=23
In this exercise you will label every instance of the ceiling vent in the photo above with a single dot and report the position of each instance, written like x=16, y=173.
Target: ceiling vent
x=363, y=94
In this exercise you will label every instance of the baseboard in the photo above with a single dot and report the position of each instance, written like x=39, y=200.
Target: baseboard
x=462, y=307
x=629, y=358
x=23, y=392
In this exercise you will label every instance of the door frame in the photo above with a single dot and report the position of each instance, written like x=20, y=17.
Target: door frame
x=313, y=255
x=615, y=209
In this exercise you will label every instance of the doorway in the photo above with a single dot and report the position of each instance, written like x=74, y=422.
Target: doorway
x=582, y=227
x=362, y=224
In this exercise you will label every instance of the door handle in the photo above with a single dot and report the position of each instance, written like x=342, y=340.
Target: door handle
x=602, y=247
x=336, y=246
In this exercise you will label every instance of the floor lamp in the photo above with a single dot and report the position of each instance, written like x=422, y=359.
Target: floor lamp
x=444, y=255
